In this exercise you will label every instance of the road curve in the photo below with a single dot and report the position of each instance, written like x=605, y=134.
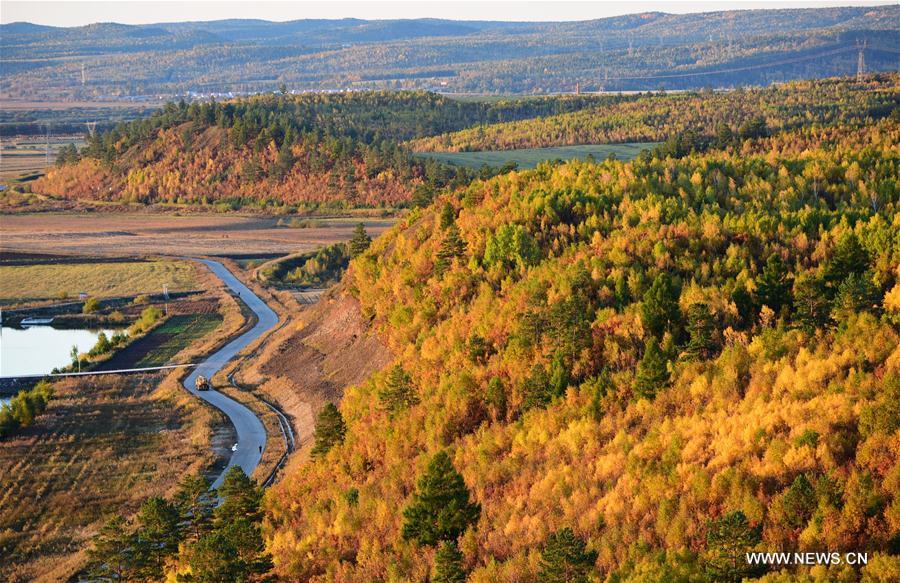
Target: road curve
x=251, y=435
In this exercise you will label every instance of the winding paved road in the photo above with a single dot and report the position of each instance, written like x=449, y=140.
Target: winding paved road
x=251, y=435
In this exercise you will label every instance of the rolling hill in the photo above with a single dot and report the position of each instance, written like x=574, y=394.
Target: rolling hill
x=634, y=52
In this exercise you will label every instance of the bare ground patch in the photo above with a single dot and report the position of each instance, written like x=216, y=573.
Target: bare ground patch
x=310, y=362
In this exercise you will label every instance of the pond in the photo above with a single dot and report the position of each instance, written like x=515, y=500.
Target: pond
x=40, y=349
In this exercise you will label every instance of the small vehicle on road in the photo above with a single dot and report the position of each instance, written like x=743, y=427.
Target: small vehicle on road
x=234, y=447
x=202, y=383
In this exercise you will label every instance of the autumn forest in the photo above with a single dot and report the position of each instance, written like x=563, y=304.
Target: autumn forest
x=609, y=369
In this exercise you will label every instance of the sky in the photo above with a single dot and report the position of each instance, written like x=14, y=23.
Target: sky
x=80, y=12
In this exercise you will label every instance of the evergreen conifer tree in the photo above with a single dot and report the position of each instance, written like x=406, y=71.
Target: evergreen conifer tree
x=360, y=241
x=773, y=287
x=659, y=310
x=158, y=535
x=811, y=305
x=448, y=564
x=728, y=539
x=448, y=215
x=452, y=247
x=565, y=559
x=330, y=430
x=441, y=508
x=398, y=392
x=700, y=329
x=112, y=551
x=652, y=371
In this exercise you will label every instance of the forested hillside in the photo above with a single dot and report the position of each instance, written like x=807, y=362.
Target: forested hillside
x=334, y=150
x=354, y=149
x=633, y=370
x=646, y=51
x=741, y=113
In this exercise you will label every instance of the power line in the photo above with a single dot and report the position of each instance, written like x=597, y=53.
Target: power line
x=737, y=69
x=861, y=62
x=832, y=52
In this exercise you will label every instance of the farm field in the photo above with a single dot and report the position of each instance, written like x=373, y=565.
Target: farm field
x=38, y=282
x=176, y=334
x=24, y=158
x=119, y=234
x=533, y=156
x=103, y=446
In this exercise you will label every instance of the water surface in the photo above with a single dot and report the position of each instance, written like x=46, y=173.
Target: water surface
x=40, y=349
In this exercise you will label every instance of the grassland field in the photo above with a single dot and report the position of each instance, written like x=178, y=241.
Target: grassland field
x=24, y=157
x=143, y=233
x=104, y=445
x=529, y=158
x=176, y=334
x=38, y=282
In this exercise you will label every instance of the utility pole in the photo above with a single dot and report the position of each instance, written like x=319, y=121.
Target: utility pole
x=166, y=296
x=47, y=151
x=861, y=61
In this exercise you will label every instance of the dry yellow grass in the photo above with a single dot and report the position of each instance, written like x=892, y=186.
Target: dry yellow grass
x=35, y=282
x=103, y=446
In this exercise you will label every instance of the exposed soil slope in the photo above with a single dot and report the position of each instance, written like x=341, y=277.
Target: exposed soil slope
x=311, y=361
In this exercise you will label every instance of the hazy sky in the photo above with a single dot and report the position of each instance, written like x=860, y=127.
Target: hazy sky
x=78, y=12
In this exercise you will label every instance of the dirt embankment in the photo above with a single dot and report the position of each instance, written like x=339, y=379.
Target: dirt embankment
x=310, y=361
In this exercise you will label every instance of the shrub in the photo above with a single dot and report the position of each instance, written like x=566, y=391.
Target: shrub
x=91, y=305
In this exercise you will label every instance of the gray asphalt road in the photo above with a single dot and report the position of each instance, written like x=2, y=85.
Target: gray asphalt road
x=251, y=435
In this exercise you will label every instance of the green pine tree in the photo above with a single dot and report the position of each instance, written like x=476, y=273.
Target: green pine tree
x=728, y=539
x=195, y=503
x=495, y=398
x=158, y=535
x=111, y=554
x=452, y=247
x=849, y=257
x=285, y=160
x=811, y=305
x=398, y=392
x=773, y=286
x=799, y=502
x=448, y=215
x=422, y=196
x=700, y=329
x=330, y=430
x=652, y=372
x=441, y=508
x=360, y=241
x=536, y=389
x=565, y=559
x=214, y=558
x=855, y=294
x=659, y=310
x=448, y=564
x=241, y=498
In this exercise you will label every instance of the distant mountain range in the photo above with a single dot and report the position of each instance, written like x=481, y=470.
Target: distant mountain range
x=635, y=52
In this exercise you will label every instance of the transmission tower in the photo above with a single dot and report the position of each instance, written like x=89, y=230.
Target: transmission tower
x=91, y=126
x=861, y=61
x=83, y=76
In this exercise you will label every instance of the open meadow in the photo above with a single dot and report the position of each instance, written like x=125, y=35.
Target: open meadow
x=103, y=445
x=531, y=157
x=26, y=157
x=101, y=279
x=133, y=234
